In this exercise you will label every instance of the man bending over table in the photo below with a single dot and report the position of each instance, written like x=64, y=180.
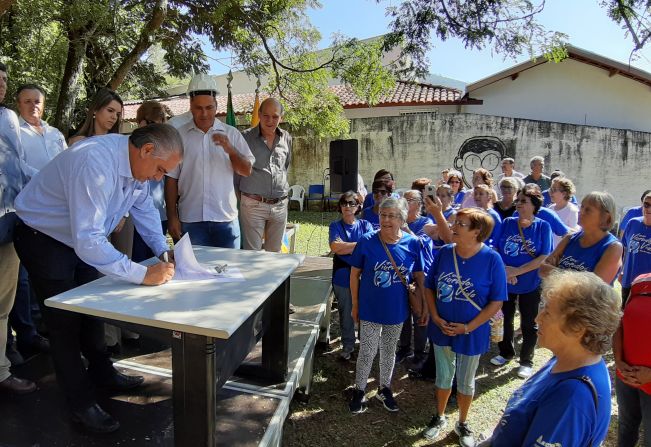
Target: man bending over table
x=66, y=213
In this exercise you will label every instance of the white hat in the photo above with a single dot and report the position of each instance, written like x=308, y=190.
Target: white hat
x=202, y=84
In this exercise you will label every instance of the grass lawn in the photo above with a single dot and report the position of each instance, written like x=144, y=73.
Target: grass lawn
x=325, y=421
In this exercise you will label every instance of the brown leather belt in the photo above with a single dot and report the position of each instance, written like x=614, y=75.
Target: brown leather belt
x=264, y=199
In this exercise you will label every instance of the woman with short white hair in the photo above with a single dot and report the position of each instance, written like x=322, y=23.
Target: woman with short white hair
x=384, y=265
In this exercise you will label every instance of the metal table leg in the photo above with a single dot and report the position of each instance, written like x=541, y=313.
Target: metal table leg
x=194, y=389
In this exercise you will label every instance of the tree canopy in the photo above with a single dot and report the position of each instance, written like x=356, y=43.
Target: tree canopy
x=72, y=48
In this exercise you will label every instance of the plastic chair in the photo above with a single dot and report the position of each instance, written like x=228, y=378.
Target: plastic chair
x=315, y=193
x=297, y=194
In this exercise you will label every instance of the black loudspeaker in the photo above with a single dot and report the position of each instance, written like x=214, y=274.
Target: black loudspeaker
x=343, y=165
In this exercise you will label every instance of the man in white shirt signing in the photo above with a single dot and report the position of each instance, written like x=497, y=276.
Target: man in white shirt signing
x=66, y=213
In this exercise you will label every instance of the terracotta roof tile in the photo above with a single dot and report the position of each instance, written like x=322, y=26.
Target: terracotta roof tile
x=405, y=93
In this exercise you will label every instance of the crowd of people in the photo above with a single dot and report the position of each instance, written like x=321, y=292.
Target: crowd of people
x=449, y=267
x=102, y=205
x=431, y=276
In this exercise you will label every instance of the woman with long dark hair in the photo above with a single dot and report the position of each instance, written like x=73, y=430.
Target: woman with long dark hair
x=103, y=116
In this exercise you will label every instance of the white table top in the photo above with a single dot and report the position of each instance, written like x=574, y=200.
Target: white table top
x=214, y=309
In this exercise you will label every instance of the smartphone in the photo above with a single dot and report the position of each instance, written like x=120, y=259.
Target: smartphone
x=430, y=190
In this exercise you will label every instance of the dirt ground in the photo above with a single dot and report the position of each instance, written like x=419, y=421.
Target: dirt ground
x=325, y=420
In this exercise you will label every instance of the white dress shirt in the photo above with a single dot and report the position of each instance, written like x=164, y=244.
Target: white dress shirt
x=40, y=149
x=206, y=191
x=81, y=195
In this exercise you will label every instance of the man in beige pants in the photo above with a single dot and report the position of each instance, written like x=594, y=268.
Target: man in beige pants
x=263, y=200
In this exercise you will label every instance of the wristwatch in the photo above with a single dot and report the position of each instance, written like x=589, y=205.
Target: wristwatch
x=465, y=329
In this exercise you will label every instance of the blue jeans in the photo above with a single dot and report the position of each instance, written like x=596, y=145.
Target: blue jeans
x=634, y=409
x=214, y=234
x=141, y=250
x=345, y=300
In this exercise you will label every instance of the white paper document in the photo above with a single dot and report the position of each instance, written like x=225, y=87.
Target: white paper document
x=188, y=268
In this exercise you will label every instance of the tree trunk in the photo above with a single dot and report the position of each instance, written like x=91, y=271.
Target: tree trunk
x=77, y=42
x=144, y=42
x=5, y=5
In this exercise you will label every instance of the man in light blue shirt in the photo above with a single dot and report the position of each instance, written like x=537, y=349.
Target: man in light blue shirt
x=67, y=211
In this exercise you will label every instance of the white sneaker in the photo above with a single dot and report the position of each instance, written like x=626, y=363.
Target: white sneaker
x=524, y=372
x=435, y=426
x=498, y=360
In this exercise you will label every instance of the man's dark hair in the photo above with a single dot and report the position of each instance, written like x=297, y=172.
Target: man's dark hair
x=645, y=194
x=3, y=67
x=29, y=87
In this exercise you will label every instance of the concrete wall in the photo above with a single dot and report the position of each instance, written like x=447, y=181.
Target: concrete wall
x=569, y=92
x=412, y=146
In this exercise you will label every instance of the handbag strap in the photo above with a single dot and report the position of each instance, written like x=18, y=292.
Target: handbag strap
x=393, y=263
x=456, y=269
x=523, y=240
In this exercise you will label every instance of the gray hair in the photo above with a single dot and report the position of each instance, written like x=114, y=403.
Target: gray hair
x=606, y=203
x=413, y=192
x=536, y=158
x=400, y=204
x=165, y=138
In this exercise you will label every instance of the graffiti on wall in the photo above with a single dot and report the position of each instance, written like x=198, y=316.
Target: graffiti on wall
x=479, y=152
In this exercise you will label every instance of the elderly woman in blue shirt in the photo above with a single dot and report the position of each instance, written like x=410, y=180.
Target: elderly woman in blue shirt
x=381, y=264
x=465, y=287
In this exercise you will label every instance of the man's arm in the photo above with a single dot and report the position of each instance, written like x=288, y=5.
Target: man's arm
x=171, y=198
x=241, y=165
x=88, y=207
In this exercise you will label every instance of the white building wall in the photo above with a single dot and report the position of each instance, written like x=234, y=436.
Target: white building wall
x=373, y=112
x=569, y=92
x=596, y=158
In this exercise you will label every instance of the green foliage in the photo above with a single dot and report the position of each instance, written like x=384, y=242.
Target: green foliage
x=507, y=26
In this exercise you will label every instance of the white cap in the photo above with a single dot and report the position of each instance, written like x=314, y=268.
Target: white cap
x=202, y=83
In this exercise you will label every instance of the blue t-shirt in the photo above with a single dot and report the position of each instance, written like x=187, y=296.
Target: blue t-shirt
x=484, y=280
x=538, y=237
x=347, y=233
x=555, y=222
x=382, y=296
x=581, y=259
x=637, y=250
x=426, y=243
x=369, y=215
x=497, y=229
x=630, y=214
x=555, y=409
x=458, y=198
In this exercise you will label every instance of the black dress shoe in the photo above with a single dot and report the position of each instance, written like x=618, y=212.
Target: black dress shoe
x=121, y=382
x=14, y=385
x=95, y=420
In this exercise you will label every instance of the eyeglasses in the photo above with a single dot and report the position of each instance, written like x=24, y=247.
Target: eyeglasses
x=413, y=200
x=382, y=192
x=389, y=216
x=555, y=190
x=646, y=205
x=460, y=224
x=454, y=181
x=348, y=204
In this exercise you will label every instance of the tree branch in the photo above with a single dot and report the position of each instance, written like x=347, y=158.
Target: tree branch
x=144, y=42
x=624, y=10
